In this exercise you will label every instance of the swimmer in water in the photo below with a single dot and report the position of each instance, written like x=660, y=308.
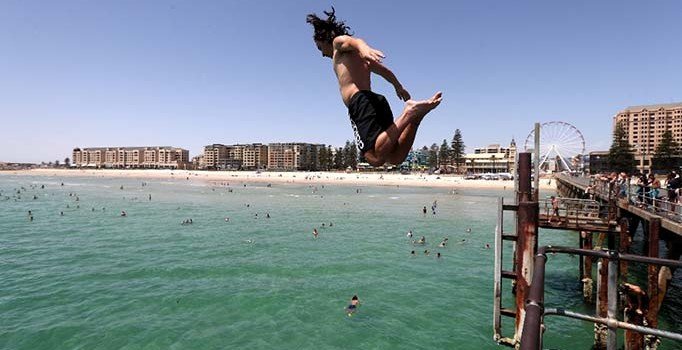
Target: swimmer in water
x=354, y=303
x=409, y=234
x=468, y=230
x=315, y=233
x=123, y=213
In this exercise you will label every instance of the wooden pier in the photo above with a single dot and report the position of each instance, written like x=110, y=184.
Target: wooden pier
x=613, y=213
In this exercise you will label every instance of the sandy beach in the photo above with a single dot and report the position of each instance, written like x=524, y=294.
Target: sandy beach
x=336, y=178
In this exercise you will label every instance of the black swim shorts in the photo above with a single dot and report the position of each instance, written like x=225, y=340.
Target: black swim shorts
x=370, y=115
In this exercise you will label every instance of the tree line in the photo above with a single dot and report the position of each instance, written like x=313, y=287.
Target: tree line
x=447, y=154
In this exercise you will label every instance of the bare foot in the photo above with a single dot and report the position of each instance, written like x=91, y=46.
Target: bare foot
x=416, y=110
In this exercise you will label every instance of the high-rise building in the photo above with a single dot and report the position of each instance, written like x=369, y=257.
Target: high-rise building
x=235, y=157
x=254, y=156
x=130, y=157
x=645, y=125
x=220, y=157
x=293, y=156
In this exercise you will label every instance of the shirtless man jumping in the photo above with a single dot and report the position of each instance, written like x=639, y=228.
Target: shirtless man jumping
x=379, y=138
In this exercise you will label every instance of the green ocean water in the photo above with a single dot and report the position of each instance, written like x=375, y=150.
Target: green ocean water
x=91, y=279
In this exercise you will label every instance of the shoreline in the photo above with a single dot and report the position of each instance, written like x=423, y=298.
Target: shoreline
x=313, y=177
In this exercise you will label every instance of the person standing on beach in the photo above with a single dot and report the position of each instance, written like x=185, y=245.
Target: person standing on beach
x=378, y=137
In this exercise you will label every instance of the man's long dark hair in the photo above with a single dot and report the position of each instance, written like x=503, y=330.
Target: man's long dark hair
x=327, y=30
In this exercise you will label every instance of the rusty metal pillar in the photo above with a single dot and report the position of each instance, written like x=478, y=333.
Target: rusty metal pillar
x=526, y=243
x=600, y=330
x=581, y=259
x=586, y=277
x=634, y=313
x=624, y=246
x=524, y=193
x=652, y=272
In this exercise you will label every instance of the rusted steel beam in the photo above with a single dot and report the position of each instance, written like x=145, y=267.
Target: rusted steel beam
x=526, y=245
x=587, y=275
x=652, y=315
x=526, y=241
x=581, y=259
x=624, y=246
x=600, y=330
x=635, y=308
x=602, y=295
x=524, y=194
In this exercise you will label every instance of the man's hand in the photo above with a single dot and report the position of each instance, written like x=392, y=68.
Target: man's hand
x=402, y=93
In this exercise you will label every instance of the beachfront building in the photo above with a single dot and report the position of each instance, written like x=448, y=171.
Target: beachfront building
x=645, y=125
x=491, y=159
x=293, y=156
x=235, y=157
x=254, y=156
x=220, y=157
x=152, y=157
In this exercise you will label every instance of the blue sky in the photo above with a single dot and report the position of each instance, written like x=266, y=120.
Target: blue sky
x=192, y=73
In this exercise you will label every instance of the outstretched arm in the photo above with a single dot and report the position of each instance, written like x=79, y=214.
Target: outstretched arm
x=345, y=43
x=386, y=73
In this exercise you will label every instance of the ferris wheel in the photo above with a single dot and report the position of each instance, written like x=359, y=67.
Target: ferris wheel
x=560, y=143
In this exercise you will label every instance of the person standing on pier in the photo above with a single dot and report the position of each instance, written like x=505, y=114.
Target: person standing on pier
x=555, y=210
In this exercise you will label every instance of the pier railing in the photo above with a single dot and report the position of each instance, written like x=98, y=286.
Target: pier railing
x=627, y=193
x=571, y=208
x=531, y=338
